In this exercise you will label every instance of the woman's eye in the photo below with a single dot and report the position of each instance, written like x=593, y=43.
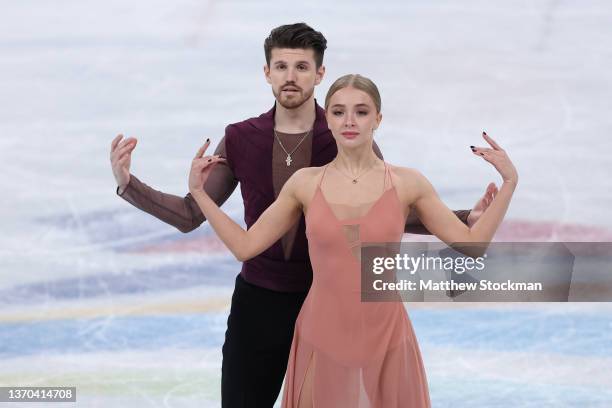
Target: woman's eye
x=362, y=113
x=337, y=113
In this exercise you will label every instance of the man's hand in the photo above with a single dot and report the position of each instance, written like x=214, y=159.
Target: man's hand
x=482, y=204
x=121, y=157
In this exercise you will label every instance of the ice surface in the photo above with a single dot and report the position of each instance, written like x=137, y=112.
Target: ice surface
x=98, y=295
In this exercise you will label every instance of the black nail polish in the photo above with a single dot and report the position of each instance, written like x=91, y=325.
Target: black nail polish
x=209, y=160
x=473, y=149
x=484, y=133
x=207, y=140
x=482, y=154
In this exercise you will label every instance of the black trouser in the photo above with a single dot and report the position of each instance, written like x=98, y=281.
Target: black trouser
x=257, y=343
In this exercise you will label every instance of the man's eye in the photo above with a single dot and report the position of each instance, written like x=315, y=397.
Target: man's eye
x=281, y=67
x=302, y=67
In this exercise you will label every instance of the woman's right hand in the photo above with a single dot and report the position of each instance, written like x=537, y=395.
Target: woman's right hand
x=201, y=166
x=498, y=158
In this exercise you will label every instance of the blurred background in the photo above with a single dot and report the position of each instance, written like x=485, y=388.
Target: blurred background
x=99, y=295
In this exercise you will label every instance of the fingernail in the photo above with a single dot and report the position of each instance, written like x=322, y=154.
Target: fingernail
x=209, y=160
x=484, y=133
x=207, y=140
x=482, y=154
x=473, y=149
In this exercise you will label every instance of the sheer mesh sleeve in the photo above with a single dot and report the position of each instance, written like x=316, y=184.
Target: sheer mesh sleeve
x=181, y=212
x=415, y=226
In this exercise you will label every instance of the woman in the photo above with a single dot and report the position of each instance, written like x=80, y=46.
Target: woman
x=346, y=353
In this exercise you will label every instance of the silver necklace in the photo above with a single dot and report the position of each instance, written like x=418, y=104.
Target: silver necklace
x=354, y=179
x=288, y=160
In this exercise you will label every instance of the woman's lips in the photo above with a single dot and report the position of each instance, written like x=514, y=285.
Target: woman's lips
x=350, y=135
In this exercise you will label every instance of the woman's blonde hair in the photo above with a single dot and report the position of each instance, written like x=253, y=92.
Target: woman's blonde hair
x=358, y=82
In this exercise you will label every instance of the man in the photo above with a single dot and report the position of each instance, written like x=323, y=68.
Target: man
x=261, y=154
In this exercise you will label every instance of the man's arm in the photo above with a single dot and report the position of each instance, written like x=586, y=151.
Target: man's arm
x=181, y=212
x=413, y=223
x=415, y=226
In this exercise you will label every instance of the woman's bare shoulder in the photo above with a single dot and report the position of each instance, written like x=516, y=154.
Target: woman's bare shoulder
x=306, y=175
x=303, y=182
x=405, y=174
x=410, y=182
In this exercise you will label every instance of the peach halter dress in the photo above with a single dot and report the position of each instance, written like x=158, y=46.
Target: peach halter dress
x=357, y=354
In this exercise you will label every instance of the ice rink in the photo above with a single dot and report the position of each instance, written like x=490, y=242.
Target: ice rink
x=99, y=295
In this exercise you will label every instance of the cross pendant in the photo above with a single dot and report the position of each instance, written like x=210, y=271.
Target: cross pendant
x=288, y=160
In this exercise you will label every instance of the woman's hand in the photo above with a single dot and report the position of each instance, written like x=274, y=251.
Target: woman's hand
x=201, y=166
x=498, y=158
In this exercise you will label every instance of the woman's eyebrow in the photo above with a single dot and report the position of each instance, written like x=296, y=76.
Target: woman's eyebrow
x=359, y=105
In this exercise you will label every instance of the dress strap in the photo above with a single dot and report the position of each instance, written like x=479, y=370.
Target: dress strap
x=323, y=175
x=387, y=174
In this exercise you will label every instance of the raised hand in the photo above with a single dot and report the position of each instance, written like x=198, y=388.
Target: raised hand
x=121, y=157
x=482, y=204
x=498, y=158
x=201, y=167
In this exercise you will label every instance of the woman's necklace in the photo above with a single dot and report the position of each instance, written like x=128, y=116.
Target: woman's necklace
x=354, y=179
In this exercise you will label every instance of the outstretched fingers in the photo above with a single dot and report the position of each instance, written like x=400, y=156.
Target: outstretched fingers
x=202, y=149
x=491, y=142
x=115, y=142
x=498, y=158
x=491, y=193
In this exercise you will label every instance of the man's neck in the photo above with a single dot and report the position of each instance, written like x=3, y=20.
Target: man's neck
x=298, y=120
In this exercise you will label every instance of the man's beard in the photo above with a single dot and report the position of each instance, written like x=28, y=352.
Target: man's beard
x=293, y=102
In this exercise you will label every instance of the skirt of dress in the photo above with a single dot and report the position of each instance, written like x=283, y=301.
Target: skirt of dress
x=373, y=364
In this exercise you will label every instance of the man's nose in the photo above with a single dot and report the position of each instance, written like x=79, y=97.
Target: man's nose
x=291, y=75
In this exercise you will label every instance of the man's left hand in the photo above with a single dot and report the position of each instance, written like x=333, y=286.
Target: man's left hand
x=482, y=204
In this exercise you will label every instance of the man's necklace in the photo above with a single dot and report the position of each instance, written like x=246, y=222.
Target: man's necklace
x=288, y=160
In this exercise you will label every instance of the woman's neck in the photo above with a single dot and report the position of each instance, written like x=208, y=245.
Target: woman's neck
x=357, y=160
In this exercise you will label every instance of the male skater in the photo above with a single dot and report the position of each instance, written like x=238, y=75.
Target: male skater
x=261, y=154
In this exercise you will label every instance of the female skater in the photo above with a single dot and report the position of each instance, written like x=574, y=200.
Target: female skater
x=346, y=353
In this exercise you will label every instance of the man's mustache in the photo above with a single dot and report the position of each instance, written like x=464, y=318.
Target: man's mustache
x=290, y=87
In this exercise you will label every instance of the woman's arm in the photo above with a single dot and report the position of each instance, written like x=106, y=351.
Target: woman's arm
x=444, y=224
x=275, y=221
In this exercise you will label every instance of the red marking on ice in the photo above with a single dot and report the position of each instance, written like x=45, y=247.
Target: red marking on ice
x=511, y=230
x=520, y=230
x=539, y=231
x=208, y=244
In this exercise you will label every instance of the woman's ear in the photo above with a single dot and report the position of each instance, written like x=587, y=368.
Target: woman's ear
x=378, y=120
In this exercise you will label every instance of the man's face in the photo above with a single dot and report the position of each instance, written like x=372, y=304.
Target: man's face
x=293, y=75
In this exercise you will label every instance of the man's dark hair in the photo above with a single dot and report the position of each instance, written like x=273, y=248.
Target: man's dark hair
x=299, y=35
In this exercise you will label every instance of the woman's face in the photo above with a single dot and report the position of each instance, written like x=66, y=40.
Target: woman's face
x=351, y=117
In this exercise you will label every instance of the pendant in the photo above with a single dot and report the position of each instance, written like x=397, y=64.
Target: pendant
x=288, y=160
